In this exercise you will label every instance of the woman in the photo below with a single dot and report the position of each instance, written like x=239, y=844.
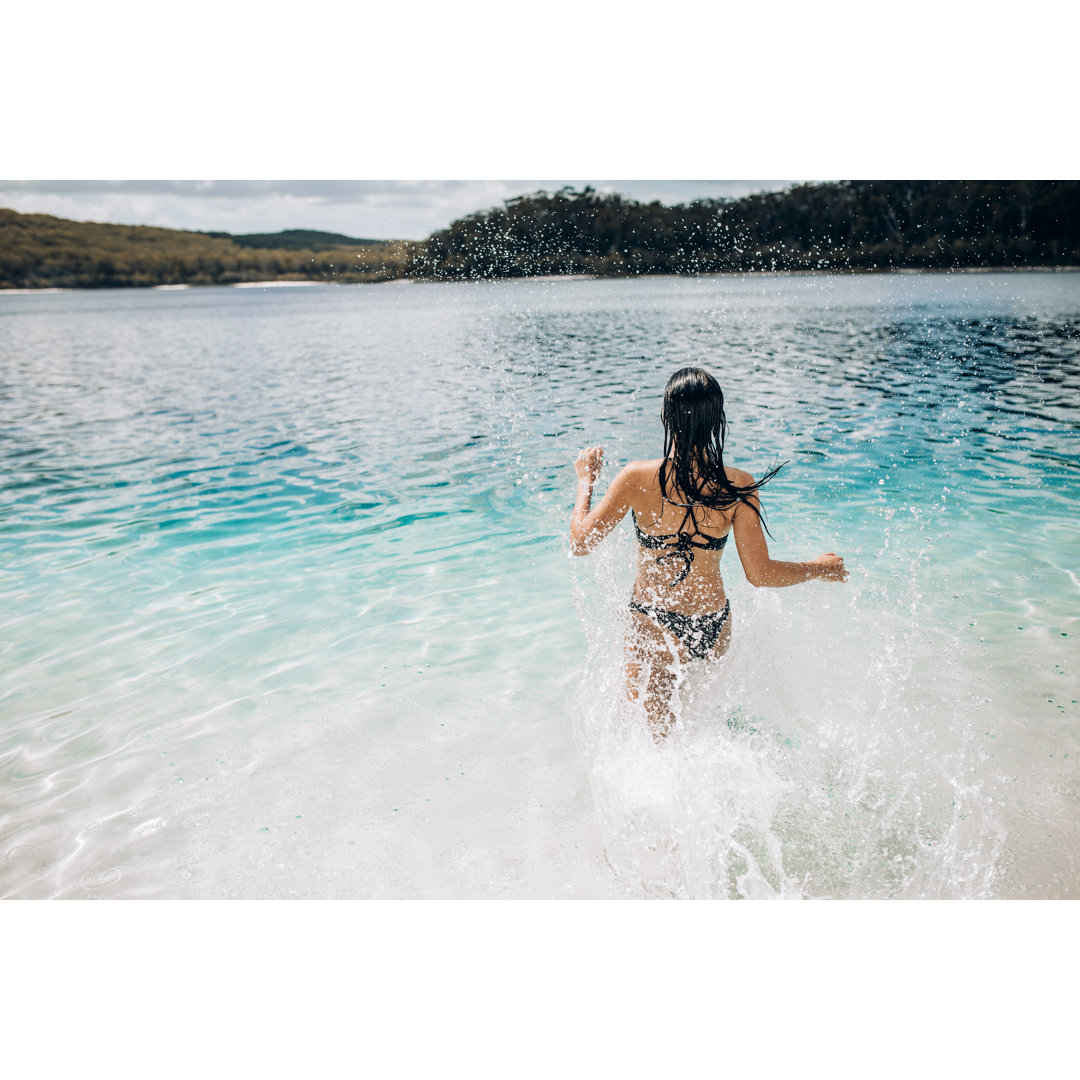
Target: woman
x=684, y=505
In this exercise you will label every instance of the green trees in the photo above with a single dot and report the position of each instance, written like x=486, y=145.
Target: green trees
x=855, y=224
x=39, y=251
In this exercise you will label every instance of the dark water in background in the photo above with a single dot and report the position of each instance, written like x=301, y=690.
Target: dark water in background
x=286, y=608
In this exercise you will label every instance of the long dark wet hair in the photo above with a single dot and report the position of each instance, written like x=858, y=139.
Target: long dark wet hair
x=694, y=431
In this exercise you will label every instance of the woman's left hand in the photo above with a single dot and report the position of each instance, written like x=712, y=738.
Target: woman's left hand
x=831, y=567
x=588, y=463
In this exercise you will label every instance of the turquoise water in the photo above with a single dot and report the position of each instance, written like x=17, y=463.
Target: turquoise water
x=286, y=607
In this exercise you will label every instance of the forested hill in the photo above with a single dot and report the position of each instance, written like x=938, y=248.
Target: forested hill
x=850, y=225
x=297, y=240
x=39, y=251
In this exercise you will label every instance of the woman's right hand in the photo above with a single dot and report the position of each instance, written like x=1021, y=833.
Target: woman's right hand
x=832, y=567
x=588, y=463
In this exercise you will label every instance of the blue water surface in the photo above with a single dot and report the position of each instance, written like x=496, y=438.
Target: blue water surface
x=286, y=606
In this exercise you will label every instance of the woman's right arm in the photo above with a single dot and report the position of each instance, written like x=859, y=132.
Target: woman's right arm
x=587, y=526
x=765, y=572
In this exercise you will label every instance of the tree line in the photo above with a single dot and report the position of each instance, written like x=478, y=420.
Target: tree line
x=851, y=225
x=848, y=225
x=40, y=251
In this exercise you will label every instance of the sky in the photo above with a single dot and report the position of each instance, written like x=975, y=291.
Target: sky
x=368, y=209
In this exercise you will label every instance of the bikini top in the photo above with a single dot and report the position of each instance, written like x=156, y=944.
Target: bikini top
x=685, y=542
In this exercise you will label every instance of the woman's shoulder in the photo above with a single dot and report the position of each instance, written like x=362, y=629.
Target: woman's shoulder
x=645, y=473
x=739, y=477
x=637, y=480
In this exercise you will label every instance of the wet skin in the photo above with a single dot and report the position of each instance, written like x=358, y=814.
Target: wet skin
x=654, y=656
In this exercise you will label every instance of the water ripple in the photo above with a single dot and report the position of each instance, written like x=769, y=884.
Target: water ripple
x=234, y=525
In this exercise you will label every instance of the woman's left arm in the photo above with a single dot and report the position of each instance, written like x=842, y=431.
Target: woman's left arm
x=588, y=527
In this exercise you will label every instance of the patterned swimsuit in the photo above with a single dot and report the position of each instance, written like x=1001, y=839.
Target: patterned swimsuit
x=699, y=633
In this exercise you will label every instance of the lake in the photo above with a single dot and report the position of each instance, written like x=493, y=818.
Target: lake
x=287, y=607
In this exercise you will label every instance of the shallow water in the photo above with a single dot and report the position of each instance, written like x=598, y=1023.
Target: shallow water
x=286, y=607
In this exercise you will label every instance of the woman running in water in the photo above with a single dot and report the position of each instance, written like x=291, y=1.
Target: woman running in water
x=684, y=506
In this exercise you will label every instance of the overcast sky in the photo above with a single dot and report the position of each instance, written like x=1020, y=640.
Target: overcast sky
x=376, y=209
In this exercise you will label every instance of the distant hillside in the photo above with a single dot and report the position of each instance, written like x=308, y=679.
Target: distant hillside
x=851, y=225
x=39, y=251
x=297, y=240
x=855, y=224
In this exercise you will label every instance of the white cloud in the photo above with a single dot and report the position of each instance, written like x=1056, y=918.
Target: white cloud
x=379, y=209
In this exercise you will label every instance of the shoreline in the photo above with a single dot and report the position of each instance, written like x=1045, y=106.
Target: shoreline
x=262, y=284
x=552, y=277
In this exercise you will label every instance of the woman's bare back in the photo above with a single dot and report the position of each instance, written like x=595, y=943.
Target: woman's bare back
x=679, y=562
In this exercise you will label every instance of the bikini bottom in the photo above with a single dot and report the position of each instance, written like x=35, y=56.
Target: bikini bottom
x=699, y=633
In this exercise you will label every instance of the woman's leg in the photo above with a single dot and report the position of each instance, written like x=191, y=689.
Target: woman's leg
x=651, y=673
x=653, y=662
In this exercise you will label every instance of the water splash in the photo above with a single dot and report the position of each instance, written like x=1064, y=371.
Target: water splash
x=828, y=753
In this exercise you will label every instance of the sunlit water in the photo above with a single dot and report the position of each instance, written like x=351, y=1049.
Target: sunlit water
x=287, y=610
